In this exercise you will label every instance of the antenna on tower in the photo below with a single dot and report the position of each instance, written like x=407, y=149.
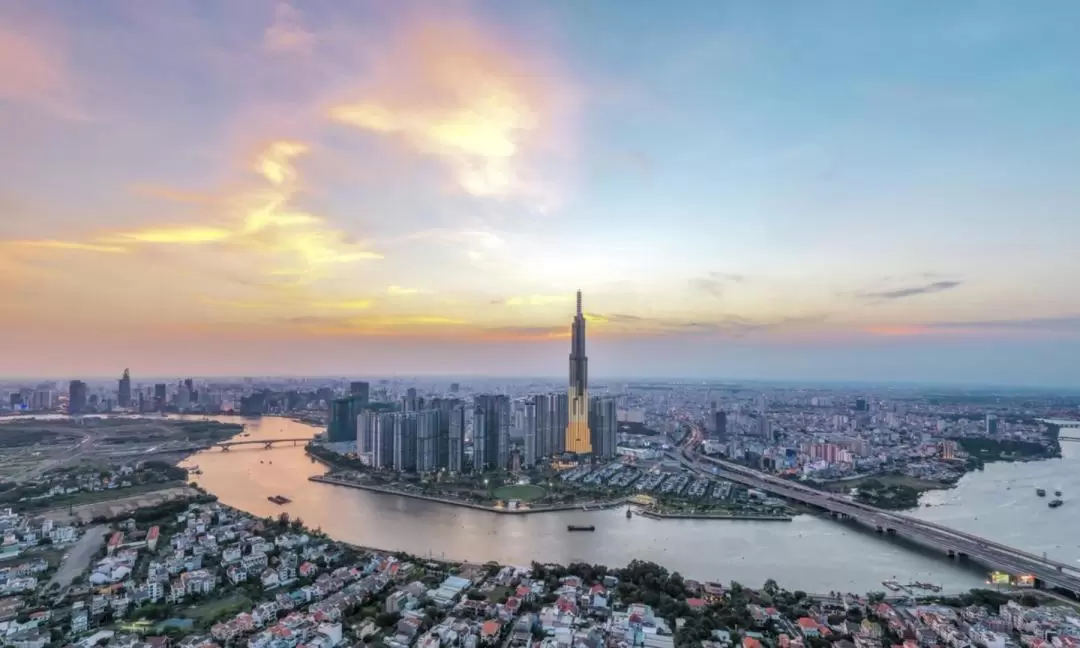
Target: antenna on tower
x=579, y=302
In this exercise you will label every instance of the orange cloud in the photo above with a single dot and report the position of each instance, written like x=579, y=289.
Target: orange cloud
x=69, y=245
x=449, y=90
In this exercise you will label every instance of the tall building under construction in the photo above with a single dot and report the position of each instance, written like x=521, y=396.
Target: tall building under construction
x=578, y=438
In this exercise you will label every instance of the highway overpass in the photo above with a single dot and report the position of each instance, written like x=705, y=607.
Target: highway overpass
x=955, y=544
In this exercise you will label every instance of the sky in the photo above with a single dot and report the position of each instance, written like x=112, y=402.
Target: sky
x=834, y=190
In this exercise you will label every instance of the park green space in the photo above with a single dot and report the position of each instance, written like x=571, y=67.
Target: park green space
x=523, y=492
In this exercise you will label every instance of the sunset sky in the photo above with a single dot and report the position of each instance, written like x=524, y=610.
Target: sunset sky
x=835, y=190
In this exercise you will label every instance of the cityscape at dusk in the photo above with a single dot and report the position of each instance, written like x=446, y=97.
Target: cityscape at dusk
x=549, y=324
x=812, y=192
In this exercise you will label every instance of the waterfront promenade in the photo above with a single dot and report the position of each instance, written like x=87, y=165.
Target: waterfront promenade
x=585, y=506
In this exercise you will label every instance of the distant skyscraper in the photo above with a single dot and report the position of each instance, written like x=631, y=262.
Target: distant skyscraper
x=76, y=397
x=190, y=384
x=411, y=403
x=991, y=425
x=123, y=397
x=360, y=389
x=454, y=388
x=159, y=396
x=860, y=405
x=719, y=426
x=577, y=429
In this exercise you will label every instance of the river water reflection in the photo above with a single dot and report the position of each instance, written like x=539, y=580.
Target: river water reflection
x=810, y=553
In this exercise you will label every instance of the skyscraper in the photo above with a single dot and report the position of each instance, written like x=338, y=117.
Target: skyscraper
x=159, y=396
x=124, y=392
x=577, y=428
x=76, y=397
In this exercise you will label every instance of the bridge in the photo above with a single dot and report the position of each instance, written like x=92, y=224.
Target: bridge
x=955, y=544
x=265, y=443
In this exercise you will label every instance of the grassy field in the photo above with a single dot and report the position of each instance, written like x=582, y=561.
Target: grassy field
x=83, y=498
x=524, y=492
x=209, y=612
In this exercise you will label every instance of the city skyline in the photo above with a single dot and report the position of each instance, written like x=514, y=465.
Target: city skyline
x=744, y=192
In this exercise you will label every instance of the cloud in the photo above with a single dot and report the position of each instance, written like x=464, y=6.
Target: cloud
x=193, y=235
x=538, y=300
x=69, y=245
x=287, y=33
x=901, y=293
x=402, y=290
x=34, y=69
x=448, y=89
x=716, y=283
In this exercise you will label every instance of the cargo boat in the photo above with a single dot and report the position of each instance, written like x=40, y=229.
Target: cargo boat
x=1055, y=503
x=1041, y=492
x=574, y=527
x=279, y=499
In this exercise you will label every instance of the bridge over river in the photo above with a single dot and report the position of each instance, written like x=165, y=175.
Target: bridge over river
x=956, y=544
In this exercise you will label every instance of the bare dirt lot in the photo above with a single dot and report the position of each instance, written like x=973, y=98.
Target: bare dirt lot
x=87, y=512
x=31, y=447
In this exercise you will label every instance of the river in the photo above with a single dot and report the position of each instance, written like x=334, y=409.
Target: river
x=810, y=553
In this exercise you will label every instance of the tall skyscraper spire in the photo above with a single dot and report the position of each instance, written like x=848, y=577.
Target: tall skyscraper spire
x=578, y=438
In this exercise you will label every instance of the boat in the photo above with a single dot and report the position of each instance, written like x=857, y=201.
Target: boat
x=1041, y=492
x=1054, y=503
x=891, y=584
x=1057, y=493
x=279, y=499
x=574, y=527
x=629, y=514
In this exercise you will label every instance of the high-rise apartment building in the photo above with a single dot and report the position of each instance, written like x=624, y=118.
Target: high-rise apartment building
x=427, y=440
x=123, y=396
x=491, y=432
x=411, y=404
x=382, y=450
x=159, y=396
x=343, y=417
x=578, y=439
x=991, y=425
x=531, y=450
x=405, y=441
x=76, y=397
x=603, y=425
x=456, y=424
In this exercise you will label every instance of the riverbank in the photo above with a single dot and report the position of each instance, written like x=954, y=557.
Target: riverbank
x=589, y=506
x=657, y=515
